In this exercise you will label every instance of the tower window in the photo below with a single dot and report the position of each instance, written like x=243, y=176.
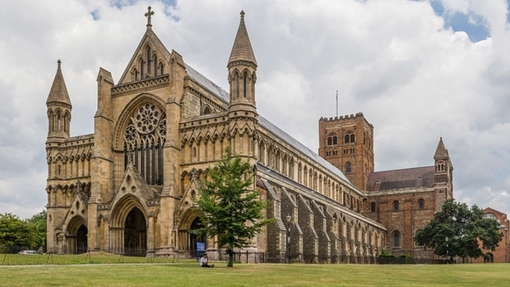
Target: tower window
x=348, y=167
x=372, y=207
x=395, y=205
x=421, y=203
x=335, y=140
x=349, y=137
x=396, y=239
x=244, y=84
x=330, y=140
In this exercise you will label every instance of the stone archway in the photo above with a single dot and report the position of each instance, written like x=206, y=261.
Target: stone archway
x=193, y=238
x=81, y=239
x=135, y=233
x=128, y=227
x=76, y=236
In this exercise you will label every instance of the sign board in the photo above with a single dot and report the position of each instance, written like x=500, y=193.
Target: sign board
x=200, y=248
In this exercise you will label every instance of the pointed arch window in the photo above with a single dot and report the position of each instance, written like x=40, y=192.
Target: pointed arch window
x=238, y=84
x=348, y=167
x=148, y=60
x=421, y=203
x=144, y=138
x=142, y=70
x=155, y=60
x=245, y=77
x=395, y=205
x=372, y=207
x=396, y=239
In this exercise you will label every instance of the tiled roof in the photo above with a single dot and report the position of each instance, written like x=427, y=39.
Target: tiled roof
x=223, y=95
x=418, y=177
x=206, y=83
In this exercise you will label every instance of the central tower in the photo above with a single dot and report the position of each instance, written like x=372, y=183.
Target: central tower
x=347, y=142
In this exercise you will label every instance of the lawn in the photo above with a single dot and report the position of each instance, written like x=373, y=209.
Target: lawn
x=189, y=274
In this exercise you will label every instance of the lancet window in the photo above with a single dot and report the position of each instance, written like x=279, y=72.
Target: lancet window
x=144, y=139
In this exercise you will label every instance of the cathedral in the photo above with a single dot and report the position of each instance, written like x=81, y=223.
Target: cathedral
x=129, y=187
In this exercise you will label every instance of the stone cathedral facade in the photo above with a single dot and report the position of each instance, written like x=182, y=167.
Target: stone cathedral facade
x=129, y=187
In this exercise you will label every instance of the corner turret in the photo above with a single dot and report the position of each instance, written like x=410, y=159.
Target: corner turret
x=242, y=68
x=59, y=108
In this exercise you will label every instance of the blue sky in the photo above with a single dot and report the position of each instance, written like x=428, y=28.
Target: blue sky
x=418, y=70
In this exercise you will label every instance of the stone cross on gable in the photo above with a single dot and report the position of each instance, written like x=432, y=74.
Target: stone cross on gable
x=148, y=15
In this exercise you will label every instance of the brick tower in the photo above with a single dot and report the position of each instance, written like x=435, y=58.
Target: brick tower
x=347, y=143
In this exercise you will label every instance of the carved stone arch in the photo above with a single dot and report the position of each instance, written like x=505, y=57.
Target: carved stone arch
x=184, y=141
x=234, y=74
x=187, y=218
x=58, y=188
x=207, y=137
x=123, y=206
x=67, y=115
x=128, y=226
x=191, y=140
x=76, y=235
x=134, y=73
x=206, y=109
x=130, y=109
x=214, y=136
x=222, y=136
x=199, y=139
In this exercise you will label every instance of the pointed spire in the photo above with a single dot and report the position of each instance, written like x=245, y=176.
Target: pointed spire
x=441, y=151
x=241, y=50
x=58, y=92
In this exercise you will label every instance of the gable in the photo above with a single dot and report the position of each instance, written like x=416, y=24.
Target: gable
x=150, y=59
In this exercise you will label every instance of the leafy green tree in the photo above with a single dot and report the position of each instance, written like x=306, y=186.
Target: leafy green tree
x=37, y=225
x=14, y=233
x=228, y=206
x=457, y=230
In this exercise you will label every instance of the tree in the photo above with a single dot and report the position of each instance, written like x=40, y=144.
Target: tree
x=37, y=225
x=228, y=206
x=14, y=233
x=457, y=230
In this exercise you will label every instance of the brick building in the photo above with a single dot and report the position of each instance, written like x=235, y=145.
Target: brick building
x=403, y=200
x=502, y=252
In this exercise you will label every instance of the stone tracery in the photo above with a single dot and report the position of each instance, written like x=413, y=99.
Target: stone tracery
x=144, y=138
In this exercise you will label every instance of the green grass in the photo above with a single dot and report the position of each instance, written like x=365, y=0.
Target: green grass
x=189, y=274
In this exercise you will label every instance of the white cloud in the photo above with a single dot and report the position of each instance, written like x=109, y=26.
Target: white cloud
x=413, y=79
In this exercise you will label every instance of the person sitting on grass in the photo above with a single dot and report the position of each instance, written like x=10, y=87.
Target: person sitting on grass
x=204, y=262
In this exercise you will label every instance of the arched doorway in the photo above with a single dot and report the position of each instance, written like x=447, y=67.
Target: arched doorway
x=193, y=238
x=489, y=258
x=135, y=233
x=81, y=239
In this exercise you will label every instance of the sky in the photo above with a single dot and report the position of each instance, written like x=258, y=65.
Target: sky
x=417, y=70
